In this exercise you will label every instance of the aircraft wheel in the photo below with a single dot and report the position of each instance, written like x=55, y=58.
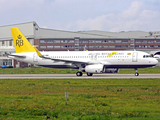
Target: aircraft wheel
x=89, y=74
x=136, y=74
x=79, y=73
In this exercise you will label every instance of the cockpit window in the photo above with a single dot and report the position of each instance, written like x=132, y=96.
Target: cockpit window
x=147, y=56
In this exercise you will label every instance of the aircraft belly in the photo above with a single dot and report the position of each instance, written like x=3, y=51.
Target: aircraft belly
x=130, y=66
x=127, y=63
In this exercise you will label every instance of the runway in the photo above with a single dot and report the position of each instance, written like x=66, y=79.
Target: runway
x=73, y=76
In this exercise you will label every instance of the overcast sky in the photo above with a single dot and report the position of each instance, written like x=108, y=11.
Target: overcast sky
x=82, y=15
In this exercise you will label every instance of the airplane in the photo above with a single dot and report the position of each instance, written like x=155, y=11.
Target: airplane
x=91, y=62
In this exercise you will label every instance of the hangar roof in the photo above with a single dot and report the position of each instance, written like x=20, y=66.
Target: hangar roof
x=26, y=28
x=32, y=30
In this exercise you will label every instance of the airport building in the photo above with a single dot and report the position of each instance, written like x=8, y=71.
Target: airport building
x=59, y=40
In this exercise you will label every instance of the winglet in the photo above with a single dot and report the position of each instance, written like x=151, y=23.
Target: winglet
x=38, y=53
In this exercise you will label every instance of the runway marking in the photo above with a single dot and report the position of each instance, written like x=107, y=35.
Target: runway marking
x=73, y=76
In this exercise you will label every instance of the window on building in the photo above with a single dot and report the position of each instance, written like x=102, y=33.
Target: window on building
x=157, y=41
x=91, y=46
x=49, y=46
x=137, y=46
x=111, y=41
x=43, y=46
x=3, y=44
x=70, y=46
x=105, y=46
x=132, y=40
x=132, y=45
x=118, y=41
x=77, y=42
x=157, y=46
x=111, y=46
x=118, y=46
x=49, y=41
x=150, y=46
x=144, y=46
x=42, y=41
x=10, y=62
x=150, y=41
x=144, y=41
x=10, y=43
x=138, y=41
x=124, y=41
x=98, y=46
x=64, y=46
x=98, y=41
x=57, y=46
x=56, y=41
x=84, y=41
x=91, y=41
x=70, y=41
x=7, y=61
x=63, y=41
x=105, y=41
x=124, y=46
x=83, y=46
x=76, y=46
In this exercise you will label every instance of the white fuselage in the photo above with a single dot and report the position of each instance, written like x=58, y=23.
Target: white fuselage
x=72, y=59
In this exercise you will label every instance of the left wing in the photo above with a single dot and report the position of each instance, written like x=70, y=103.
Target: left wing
x=67, y=61
x=58, y=60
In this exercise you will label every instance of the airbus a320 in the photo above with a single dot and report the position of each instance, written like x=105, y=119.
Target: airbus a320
x=91, y=62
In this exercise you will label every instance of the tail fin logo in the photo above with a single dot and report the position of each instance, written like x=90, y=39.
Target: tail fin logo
x=19, y=41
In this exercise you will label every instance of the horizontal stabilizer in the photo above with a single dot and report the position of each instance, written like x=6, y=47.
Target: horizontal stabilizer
x=19, y=56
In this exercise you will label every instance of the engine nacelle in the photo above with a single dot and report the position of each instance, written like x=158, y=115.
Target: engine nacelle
x=96, y=68
x=111, y=70
x=157, y=56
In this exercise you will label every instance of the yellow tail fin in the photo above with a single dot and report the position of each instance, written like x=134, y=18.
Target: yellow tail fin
x=20, y=42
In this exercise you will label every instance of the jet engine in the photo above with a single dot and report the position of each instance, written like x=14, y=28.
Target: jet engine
x=157, y=56
x=96, y=68
x=111, y=70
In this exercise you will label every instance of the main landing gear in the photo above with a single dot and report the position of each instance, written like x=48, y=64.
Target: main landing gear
x=136, y=72
x=79, y=73
x=81, y=68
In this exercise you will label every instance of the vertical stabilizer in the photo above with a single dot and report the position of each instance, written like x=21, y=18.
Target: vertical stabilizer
x=20, y=42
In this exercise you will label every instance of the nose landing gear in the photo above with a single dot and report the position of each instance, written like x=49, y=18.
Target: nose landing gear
x=136, y=72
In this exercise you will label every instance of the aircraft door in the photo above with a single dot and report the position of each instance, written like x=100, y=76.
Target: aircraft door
x=134, y=57
x=35, y=58
x=94, y=56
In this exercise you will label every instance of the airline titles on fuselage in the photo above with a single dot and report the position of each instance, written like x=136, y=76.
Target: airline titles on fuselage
x=94, y=56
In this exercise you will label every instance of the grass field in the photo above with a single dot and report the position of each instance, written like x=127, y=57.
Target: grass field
x=69, y=71
x=89, y=99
